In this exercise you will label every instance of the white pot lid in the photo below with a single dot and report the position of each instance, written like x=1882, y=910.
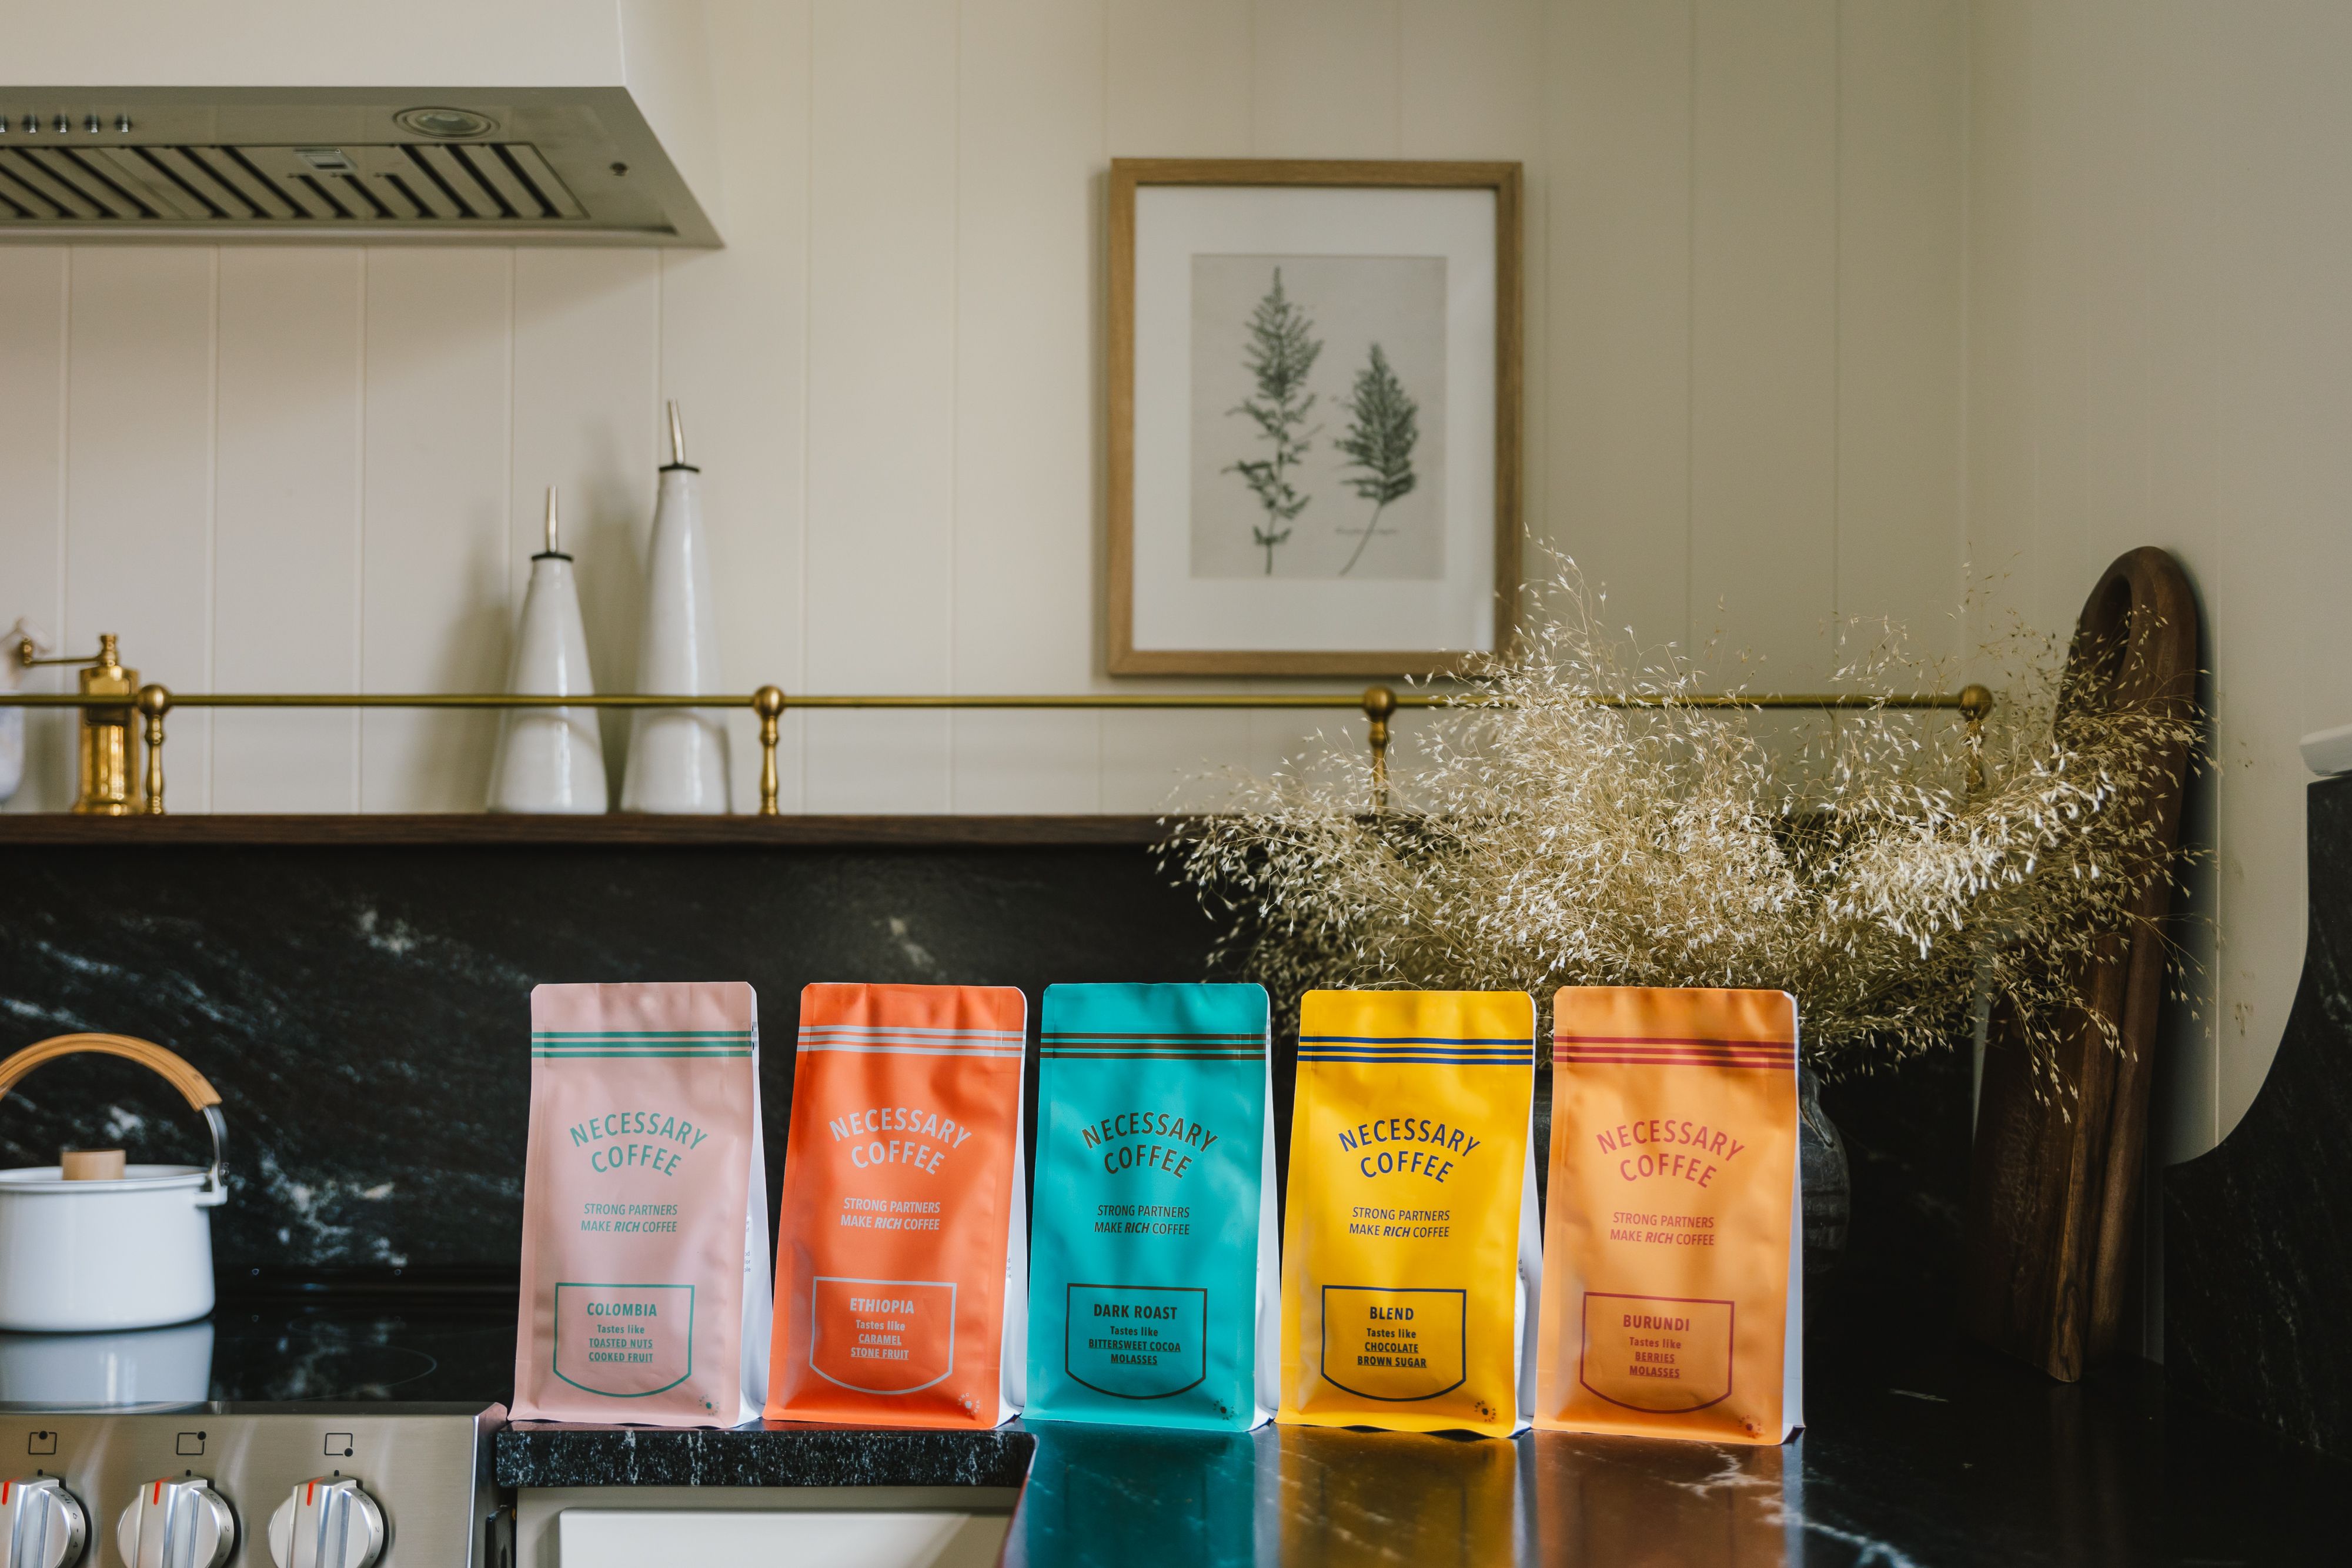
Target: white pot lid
x=134, y=1178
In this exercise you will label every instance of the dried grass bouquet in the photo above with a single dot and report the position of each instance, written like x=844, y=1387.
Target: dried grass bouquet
x=1578, y=817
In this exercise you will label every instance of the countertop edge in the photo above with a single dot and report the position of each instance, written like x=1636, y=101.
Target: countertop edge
x=534, y=1456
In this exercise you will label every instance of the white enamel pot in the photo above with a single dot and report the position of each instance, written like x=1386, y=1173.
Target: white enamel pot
x=132, y=1253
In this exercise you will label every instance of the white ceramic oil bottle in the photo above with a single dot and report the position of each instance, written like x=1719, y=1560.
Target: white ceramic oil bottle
x=677, y=756
x=550, y=758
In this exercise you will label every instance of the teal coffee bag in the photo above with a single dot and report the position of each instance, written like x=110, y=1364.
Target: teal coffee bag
x=1154, y=1287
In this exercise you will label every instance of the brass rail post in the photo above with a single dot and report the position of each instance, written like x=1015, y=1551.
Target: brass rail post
x=1976, y=703
x=1379, y=704
x=154, y=701
x=768, y=702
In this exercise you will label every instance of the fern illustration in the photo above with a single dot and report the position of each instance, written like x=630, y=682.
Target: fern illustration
x=1282, y=350
x=1380, y=441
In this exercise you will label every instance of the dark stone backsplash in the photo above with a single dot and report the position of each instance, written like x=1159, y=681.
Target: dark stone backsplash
x=363, y=1009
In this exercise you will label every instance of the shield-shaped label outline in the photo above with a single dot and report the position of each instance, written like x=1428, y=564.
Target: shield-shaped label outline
x=817, y=1327
x=555, y=1351
x=1460, y=1353
x=1070, y=1327
x=1730, y=1343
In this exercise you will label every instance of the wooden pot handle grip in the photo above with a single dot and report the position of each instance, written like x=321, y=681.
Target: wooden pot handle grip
x=201, y=1094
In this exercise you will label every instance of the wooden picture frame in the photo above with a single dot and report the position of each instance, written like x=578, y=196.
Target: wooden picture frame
x=1131, y=178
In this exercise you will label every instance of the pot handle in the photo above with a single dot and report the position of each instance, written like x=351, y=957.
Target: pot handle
x=174, y=1068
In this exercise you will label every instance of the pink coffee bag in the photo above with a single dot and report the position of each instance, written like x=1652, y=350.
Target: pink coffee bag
x=645, y=1293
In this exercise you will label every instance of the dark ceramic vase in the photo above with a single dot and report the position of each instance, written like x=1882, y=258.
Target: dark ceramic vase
x=1828, y=1189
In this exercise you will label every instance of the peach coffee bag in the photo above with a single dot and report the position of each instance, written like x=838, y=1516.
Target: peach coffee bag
x=1673, y=1302
x=903, y=1268
x=644, y=1208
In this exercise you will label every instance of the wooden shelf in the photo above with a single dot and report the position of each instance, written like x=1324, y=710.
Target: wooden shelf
x=481, y=828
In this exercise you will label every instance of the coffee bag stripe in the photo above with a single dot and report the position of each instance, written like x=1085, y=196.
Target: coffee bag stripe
x=601, y=1055
x=1066, y=1036
x=1667, y=1050
x=741, y=1035
x=847, y=1029
x=1524, y=1057
x=1784, y=1046
x=1725, y=1063
x=1153, y=1055
x=911, y=1049
x=1519, y=1043
x=1180, y=1047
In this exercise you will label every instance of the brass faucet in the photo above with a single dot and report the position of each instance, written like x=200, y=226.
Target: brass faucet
x=110, y=745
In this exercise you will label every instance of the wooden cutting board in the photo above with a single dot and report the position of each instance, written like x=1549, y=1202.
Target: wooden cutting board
x=2054, y=1190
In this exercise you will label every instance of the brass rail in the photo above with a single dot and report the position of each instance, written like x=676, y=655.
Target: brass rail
x=1378, y=704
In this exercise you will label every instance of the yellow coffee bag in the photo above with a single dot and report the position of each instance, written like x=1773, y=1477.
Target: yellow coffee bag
x=1411, y=1258
x=1673, y=1298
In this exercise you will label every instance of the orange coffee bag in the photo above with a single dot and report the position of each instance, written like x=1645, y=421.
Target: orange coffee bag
x=902, y=1274
x=1673, y=1302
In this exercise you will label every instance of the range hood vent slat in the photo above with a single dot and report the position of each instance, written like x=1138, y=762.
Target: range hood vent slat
x=30, y=205
x=67, y=203
x=441, y=172
x=456, y=186
x=233, y=166
x=224, y=176
x=99, y=183
x=506, y=194
x=15, y=196
x=220, y=202
x=424, y=198
x=144, y=180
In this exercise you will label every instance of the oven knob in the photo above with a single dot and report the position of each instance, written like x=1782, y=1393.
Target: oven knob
x=176, y=1523
x=41, y=1525
x=329, y=1523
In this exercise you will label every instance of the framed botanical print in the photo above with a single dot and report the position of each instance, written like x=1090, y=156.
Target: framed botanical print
x=1314, y=386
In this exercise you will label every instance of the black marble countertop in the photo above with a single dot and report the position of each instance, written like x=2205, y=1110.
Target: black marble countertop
x=1918, y=1452
x=1946, y=1456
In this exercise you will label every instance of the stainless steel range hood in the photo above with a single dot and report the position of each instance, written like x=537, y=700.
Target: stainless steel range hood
x=585, y=121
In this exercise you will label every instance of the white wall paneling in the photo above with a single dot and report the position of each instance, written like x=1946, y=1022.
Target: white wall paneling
x=1764, y=315
x=285, y=549
x=1616, y=446
x=1741, y=374
x=33, y=281
x=883, y=224
x=1031, y=125
x=1327, y=78
x=437, y=583
x=2160, y=352
x=1902, y=153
